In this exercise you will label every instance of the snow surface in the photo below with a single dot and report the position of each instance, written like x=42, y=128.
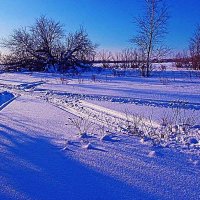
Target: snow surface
x=43, y=158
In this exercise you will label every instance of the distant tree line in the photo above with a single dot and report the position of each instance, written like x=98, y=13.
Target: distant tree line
x=194, y=48
x=190, y=58
x=45, y=46
x=126, y=58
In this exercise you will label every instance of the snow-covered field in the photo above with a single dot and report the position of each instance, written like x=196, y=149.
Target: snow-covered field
x=100, y=136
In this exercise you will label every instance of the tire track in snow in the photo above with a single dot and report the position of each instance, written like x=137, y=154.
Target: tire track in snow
x=100, y=115
x=136, y=101
x=113, y=120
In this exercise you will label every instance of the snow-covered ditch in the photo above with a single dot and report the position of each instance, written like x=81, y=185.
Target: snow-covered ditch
x=5, y=99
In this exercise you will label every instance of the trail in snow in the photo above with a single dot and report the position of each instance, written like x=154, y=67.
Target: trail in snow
x=137, y=101
x=118, y=99
x=78, y=107
x=182, y=138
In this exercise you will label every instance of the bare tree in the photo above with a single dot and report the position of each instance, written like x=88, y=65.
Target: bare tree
x=78, y=48
x=44, y=46
x=21, y=49
x=47, y=36
x=195, y=49
x=36, y=46
x=152, y=28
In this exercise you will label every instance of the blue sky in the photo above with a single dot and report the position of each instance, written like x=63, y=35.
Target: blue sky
x=108, y=22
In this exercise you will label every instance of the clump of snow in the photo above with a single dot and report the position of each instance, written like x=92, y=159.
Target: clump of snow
x=152, y=154
x=88, y=146
x=109, y=138
x=68, y=143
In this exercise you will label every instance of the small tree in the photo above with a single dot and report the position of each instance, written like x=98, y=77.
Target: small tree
x=152, y=28
x=194, y=47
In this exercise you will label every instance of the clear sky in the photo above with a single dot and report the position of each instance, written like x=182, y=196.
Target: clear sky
x=108, y=22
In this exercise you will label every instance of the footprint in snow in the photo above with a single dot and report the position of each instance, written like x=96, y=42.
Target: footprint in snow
x=152, y=154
